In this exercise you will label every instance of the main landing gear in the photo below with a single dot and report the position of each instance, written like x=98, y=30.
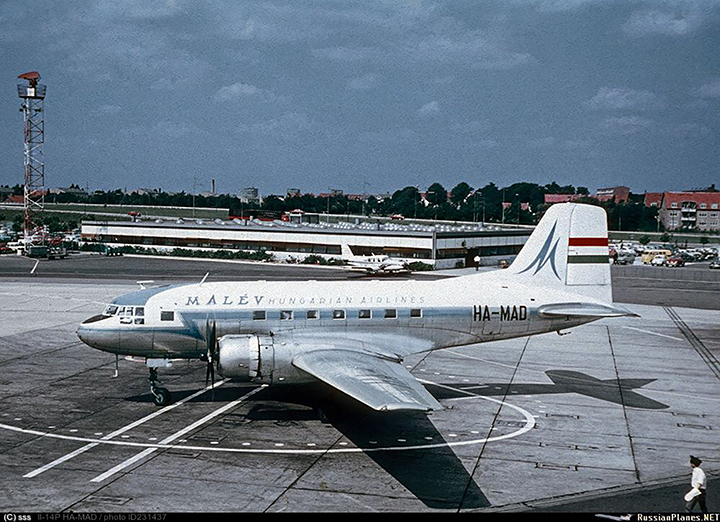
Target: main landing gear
x=161, y=396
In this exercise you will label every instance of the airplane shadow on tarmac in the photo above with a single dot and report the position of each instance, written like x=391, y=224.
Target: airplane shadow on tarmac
x=617, y=391
x=435, y=475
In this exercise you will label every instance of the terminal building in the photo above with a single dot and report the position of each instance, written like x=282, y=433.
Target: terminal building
x=438, y=245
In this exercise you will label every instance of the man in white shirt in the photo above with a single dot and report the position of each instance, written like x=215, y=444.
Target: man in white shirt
x=699, y=483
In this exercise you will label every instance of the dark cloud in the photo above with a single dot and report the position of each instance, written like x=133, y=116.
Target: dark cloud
x=280, y=93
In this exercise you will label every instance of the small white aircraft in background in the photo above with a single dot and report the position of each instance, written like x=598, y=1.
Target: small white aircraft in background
x=354, y=335
x=375, y=264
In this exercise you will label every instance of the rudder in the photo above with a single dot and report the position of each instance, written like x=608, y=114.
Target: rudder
x=569, y=248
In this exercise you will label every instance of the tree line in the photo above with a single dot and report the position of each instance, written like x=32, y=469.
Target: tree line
x=461, y=203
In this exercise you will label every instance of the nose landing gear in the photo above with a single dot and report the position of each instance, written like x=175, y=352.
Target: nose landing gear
x=161, y=396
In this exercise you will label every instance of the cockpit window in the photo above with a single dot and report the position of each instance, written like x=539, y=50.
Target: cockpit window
x=125, y=311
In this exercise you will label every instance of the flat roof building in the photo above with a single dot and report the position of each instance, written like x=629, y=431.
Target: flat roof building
x=439, y=245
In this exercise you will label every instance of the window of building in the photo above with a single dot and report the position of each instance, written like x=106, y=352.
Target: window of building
x=313, y=314
x=416, y=312
x=167, y=315
x=259, y=315
x=703, y=205
x=286, y=315
x=338, y=314
x=714, y=205
x=390, y=313
x=365, y=314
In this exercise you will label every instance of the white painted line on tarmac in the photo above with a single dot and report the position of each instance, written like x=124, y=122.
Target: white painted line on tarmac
x=174, y=436
x=654, y=333
x=120, y=431
x=247, y=449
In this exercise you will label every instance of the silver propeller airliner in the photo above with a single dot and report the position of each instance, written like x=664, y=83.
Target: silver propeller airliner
x=354, y=335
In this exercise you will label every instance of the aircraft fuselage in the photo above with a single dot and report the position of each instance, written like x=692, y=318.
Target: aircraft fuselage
x=405, y=316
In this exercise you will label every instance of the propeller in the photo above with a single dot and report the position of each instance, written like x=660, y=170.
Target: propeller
x=211, y=339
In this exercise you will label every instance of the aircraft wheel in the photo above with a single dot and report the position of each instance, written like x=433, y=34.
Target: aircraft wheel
x=161, y=396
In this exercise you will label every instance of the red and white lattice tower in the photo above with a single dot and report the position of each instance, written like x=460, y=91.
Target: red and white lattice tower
x=33, y=98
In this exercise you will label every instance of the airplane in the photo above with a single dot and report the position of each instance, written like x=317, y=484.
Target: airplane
x=354, y=335
x=373, y=265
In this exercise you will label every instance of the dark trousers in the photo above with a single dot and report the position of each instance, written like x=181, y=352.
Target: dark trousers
x=700, y=499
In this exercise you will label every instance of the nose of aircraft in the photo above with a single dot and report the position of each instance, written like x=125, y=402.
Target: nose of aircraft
x=87, y=332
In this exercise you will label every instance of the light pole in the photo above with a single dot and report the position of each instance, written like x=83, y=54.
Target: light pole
x=427, y=193
x=503, y=207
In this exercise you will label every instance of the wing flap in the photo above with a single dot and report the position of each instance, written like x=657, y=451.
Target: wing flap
x=380, y=383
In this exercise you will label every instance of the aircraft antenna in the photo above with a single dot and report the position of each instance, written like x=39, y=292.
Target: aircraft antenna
x=32, y=95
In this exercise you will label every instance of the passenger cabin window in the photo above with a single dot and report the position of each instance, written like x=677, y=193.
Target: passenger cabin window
x=312, y=314
x=338, y=314
x=286, y=315
x=259, y=315
x=416, y=312
x=167, y=316
x=390, y=313
x=111, y=310
x=365, y=314
x=139, y=311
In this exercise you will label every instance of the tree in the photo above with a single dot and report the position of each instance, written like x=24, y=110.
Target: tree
x=404, y=201
x=459, y=193
x=436, y=194
x=644, y=240
x=492, y=198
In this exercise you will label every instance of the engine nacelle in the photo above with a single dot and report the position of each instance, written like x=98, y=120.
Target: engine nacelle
x=256, y=358
x=246, y=357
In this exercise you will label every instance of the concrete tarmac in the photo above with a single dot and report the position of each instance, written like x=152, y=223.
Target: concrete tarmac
x=601, y=420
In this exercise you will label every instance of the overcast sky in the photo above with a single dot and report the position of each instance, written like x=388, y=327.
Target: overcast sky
x=367, y=96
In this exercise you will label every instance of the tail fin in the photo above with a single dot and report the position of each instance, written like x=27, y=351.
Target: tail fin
x=345, y=251
x=569, y=249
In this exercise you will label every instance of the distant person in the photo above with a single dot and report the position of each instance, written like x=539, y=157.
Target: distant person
x=699, y=484
x=477, y=262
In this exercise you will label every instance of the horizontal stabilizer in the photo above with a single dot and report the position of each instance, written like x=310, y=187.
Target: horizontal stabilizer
x=377, y=382
x=550, y=311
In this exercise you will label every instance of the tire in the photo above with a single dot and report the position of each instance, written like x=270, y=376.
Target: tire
x=161, y=396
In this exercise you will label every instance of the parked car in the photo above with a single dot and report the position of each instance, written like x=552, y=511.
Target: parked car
x=659, y=260
x=625, y=258
x=715, y=263
x=675, y=261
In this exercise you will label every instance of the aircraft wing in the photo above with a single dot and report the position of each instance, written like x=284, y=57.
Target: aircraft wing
x=382, y=384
